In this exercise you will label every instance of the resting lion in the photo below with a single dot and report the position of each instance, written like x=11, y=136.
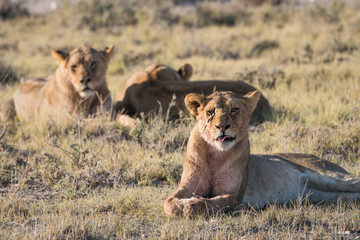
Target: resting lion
x=148, y=91
x=219, y=173
x=77, y=86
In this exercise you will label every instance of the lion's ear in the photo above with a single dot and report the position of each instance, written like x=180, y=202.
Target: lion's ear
x=108, y=52
x=60, y=56
x=250, y=100
x=195, y=103
x=186, y=71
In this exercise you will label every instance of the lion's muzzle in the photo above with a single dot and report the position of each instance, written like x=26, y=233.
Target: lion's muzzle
x=222, y=127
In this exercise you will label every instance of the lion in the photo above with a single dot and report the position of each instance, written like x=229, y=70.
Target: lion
x=77, y=86
x=160, y=87
x=219, y=173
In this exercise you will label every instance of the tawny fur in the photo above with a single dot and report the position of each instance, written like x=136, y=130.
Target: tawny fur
x=77, y=86
x=157, y=73
x=159, y=85
x=219, y=173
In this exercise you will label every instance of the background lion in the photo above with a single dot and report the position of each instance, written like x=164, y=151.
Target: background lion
x=156, y=87
x=77, y=86
x=219, y=173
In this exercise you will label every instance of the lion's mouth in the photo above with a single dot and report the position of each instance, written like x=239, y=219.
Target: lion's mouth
x=84, y=89
x=225, y=138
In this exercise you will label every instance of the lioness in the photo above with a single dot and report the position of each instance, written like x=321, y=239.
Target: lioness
x=219, y=173
x=77, y=86
x=150, y=76
x=154, y=88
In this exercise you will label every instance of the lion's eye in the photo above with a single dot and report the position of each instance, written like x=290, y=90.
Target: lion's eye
x=234, y=110
x=73, y=68
x=209, y=112
x=93, y=65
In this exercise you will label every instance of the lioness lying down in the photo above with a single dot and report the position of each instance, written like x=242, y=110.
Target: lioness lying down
x=219, y=173
x=147, y=91
x=77, y=86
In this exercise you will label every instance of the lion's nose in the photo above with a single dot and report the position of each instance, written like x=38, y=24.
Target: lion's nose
x=222, y=127
x=85, y=80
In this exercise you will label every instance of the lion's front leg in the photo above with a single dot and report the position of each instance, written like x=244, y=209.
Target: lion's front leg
x=173, y=207
x=194, y=206
x=175, y=204
x=199, y=205
x=185, y=206
x=193, y=183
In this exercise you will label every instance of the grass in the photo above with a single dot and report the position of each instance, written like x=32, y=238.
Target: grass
x=98, y=180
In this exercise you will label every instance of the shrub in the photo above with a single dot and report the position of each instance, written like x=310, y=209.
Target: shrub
x=107, y=14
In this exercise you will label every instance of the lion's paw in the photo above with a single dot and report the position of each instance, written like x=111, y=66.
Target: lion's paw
x=192, y=206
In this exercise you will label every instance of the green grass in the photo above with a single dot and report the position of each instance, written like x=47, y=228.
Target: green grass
x=98, y=180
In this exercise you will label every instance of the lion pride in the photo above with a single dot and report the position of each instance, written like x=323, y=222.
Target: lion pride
x=78, y=85
x=156, y=87
x=219, y=173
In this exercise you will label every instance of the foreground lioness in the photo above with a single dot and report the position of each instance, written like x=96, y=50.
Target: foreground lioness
x=152, y=89
x=77, y=86
x=219, y=173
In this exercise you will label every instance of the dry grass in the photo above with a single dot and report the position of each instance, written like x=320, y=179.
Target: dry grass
x=97, y=180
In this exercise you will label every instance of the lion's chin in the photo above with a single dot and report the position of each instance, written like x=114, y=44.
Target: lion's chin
x=224, y=145
x=88, y=93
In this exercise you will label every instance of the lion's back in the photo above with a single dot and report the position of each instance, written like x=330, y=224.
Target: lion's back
x=309, y=161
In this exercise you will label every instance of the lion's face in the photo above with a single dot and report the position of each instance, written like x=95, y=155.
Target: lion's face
x=222, y=118
x=84, y=68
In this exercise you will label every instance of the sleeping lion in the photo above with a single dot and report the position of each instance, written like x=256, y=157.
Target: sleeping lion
x=219, y=173
x=154, y=88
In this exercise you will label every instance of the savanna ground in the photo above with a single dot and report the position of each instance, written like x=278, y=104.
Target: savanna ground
x=99, y=180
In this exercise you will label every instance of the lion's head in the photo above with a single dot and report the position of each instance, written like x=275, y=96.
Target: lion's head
x=158, y=73
x=84, y=68
x=161, y=72
x=222, y=118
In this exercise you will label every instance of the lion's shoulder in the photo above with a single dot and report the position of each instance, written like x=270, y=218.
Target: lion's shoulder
x=31, y=84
